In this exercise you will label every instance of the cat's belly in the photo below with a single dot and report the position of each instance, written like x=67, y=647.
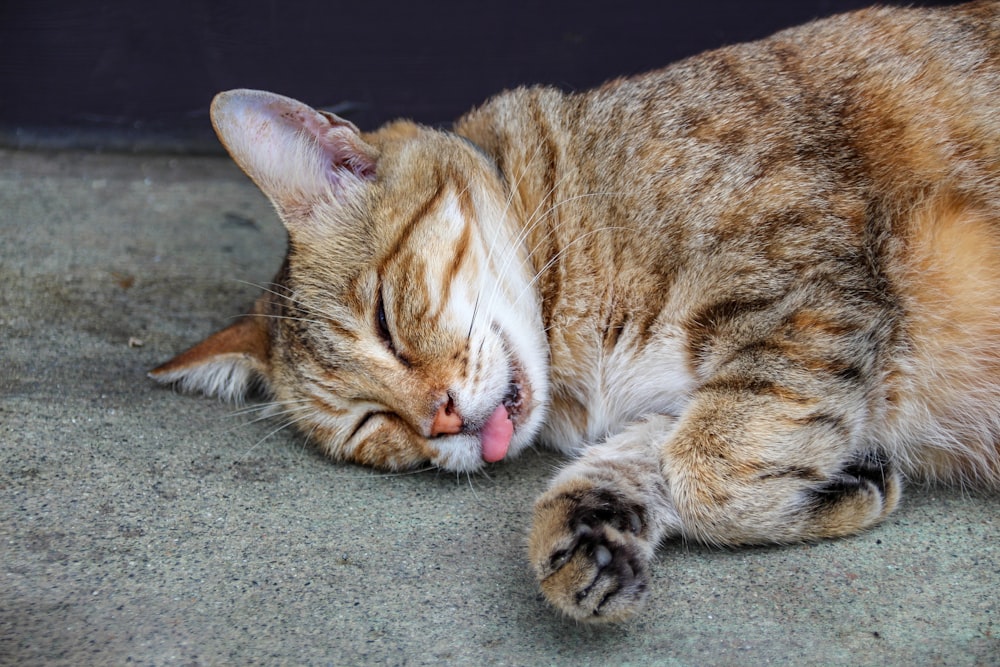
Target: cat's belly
x=605, y=390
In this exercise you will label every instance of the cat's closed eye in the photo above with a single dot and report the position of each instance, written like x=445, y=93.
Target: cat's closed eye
x=382, y=324
x=384, y=332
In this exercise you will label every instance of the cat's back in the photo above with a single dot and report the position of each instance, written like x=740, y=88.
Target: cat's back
x=881, y=89
x=874, y=75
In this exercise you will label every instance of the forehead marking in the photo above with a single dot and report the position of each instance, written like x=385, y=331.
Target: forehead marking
x=411, y=225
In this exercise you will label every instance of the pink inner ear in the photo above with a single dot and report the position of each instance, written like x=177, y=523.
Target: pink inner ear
x=345, y=156
x=340, y=140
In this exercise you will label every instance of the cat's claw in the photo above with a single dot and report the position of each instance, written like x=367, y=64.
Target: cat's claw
x=590, y=555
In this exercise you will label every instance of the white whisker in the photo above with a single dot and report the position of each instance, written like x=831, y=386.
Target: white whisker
x=283, y=317
x=472, y=488
x=533, y=221
x=290, y=298
x=272, y=415
x=402, y=473
x=498, y=235
x=286, y=424
x=265, y=408
x=529, y=226
x=537, y=218
x=559, y=254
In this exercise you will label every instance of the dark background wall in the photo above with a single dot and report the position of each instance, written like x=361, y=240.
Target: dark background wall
x=140, y=75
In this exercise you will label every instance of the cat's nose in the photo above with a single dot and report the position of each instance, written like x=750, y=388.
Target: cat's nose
x=447, y=420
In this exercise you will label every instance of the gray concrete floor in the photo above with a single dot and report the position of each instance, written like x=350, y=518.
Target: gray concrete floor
x=138, y=526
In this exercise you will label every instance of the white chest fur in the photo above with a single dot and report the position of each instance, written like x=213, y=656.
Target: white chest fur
x=608, y=389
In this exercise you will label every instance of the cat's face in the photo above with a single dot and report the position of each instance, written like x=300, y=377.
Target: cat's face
x=402, y=328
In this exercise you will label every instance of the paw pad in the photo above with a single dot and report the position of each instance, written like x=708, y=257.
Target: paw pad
x=590, y=554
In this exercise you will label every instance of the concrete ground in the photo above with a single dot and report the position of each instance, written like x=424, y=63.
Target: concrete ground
x=139, y=526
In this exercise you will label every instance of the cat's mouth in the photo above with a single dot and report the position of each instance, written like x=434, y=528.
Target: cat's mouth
x=496, y=434
x=513, y=401
x=518, y=393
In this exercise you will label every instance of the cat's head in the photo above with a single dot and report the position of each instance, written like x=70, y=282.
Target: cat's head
x=402, y=328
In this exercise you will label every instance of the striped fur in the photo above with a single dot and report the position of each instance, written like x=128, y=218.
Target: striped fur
x=754, y=291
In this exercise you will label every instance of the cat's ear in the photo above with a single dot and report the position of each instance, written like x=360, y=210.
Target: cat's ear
x=230, y=363
x=295, y=154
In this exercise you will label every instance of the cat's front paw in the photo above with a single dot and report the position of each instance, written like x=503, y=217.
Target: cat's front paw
x=589, y=553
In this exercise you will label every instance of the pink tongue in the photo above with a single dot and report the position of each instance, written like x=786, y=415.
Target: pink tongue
x=496, y=435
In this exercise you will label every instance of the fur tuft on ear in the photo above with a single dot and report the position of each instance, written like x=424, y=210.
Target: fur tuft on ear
x=295, y=154
x=230, y=364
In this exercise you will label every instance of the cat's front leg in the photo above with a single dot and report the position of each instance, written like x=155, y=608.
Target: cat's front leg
x=595, y=530
x=750, y=461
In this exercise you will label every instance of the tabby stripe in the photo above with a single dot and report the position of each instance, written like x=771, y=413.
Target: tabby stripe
x=550, y=285
x=465, y=203
x=411, y=225
x=613, y=330
x=545, y=132
x=341, y=330
x=364, y=420
x=458, y=258
x=714, y=315
x=707, y=322
x=825, y=420
x=756, y=386
x=797, y=472
x=732, y=70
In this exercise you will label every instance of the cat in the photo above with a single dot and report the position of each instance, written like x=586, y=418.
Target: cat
x=751, y=293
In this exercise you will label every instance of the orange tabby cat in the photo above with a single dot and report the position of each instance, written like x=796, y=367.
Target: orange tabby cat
x=752, y=292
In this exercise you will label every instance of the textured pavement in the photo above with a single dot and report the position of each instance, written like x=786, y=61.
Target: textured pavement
x=140, y=526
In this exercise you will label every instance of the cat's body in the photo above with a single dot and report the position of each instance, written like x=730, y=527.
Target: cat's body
x=754, y=290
